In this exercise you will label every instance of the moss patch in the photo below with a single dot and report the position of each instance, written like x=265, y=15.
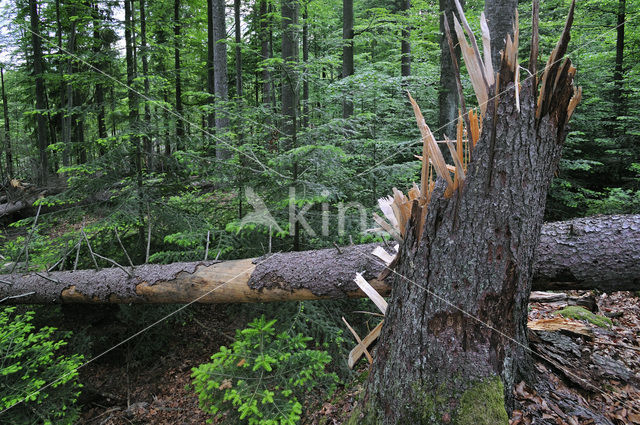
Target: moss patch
x=581, y=313
x=483, y=404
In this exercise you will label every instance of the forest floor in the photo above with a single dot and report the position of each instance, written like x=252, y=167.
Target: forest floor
x=586, y=374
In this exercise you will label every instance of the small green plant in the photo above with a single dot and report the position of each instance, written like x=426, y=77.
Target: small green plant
x=262, y=378
x=29, y=363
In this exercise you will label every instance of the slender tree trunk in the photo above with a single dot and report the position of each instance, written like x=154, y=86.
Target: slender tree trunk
x=454, y=340
x=265, y=53
x=146, y=139
x=63, y=119
x=500, y=16
x=347, y=53
x=220, y=71
x=238, y=49
x=131, y=68
x=448, y=92
x=67, y=121
x=176, y=47
x=98, y=47
x=290, y=43
x=305, y=69
x=41, y=119
x=211, y=116
x=618, y=74
x=7, y=134
x=405, y=44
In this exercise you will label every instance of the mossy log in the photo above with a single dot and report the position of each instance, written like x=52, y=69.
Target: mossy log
x=588, y=253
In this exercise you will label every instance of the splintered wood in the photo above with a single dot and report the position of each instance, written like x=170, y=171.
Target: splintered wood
x=400, y=210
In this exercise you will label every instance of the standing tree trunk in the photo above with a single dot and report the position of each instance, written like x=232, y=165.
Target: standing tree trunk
x=618, y=73
x=211, y=115
x=98, y=49
x=454, y=338
x=305, y=69
x=500, y=16
x=265, y=52
x=41, y=119
x=176, y=51
x=7, y=134
x=220, y=72
x=290, y=42
x=347, y=54
x=238, y=49
x=448, y=92
x=146, y=138
x=405, y=43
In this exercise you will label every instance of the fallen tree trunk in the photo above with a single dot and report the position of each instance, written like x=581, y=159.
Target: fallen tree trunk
x=600, y=252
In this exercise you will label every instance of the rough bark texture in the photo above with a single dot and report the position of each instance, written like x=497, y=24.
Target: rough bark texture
x=41, y=119
x=589, y=253
x=220, y=72
x=405, y=44
x=500, y=16
x=447, y=92
x=178, y=66
x=290, y=43
x=7, y=133
x=455, y=336
x=347, y=53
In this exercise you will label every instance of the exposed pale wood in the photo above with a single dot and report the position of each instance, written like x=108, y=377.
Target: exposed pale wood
x=359, y=349
x=431, y=147
x=387, y=227
x=371, y=293
x=383, y=255
x=476, y=72
x=486, y=47
x=358, y=340
x=474, y=44
x=456, y=70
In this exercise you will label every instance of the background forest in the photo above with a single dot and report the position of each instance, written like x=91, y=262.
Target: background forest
x=145, y=127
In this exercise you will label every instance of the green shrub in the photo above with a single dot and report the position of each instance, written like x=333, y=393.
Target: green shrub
x=29, y=363
x=263, y=377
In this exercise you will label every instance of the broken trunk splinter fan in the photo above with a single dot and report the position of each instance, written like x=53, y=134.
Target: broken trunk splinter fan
x=399, y=208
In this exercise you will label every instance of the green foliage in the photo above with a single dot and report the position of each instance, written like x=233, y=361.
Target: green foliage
x=263, y=377
x=30, y=362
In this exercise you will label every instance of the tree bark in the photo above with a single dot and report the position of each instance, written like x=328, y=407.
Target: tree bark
x=98, y=49
x=41, y=119
x=588, y=253
x=405, y=43
x=290, y=43
x=7, y=133
x=146, y=138
x=176, y=59
x=305, y=69
x=265, y=52
x=500, y=16
x=448, y=92
x=347, y=54
x=454, y=341
x=211, y=115
x=618, y=74
x=220, y=74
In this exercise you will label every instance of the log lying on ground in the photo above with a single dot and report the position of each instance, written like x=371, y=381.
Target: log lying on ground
x=600, y=252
